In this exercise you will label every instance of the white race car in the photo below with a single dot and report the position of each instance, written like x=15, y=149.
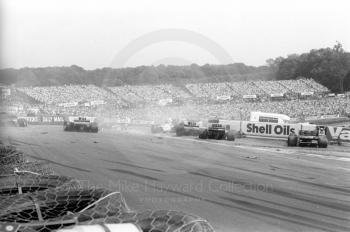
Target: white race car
x=76, y=123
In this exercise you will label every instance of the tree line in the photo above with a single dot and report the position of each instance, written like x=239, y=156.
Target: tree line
x=328, y=66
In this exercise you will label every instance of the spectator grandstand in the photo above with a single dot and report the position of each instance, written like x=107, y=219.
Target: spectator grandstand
x=297, y=86
x=115, y=101
x=149, y=93
x=316, y=86
x=126, y=93
x=271, y=87
x=210, y=90
x=259, y=88
x=70, y=94
x=246, y=88
x=298, y=109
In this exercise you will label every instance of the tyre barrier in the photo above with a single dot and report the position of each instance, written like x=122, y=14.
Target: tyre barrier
x=34, y=201
x=157, y=220
x=35, y=167
x=57, y=204
x=162, y=220
x=10, y=155
x=27, y=182
x=127, y=227
x=12, y=160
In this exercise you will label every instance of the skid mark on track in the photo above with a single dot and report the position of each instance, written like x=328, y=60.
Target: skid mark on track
x=133, y=174
x=159, y=158
x=303, y=153
x=287, y=206
x=132, y=165
x=289, y=194
x=296, y=217
x=340, y=189
x=264, y=211
x=22, y=142
x=271, y=150
x=314, y=199
x=59, y=164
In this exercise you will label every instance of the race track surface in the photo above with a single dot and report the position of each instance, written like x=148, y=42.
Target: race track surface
x=246, y=185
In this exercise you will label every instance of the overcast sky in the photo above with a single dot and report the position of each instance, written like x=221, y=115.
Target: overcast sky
x=97, y=33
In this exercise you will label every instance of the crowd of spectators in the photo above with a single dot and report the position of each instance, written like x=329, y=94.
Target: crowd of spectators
x=210, y=90
x=175, y=91
x=246, y=88
x=70, y=94
x=258, y=88
x=272, y=87
x=316, y=86
x=149, y=93
x=125, y=92
x=297, y=86
x=297, y=109
x=154, y=93
x=116, y=100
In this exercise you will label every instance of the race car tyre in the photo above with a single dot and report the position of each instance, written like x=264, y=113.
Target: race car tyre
x=203, y=134
x=180, y=131
x=292, y=141
x=219, y=136
x=230, y=136
x=322, y=142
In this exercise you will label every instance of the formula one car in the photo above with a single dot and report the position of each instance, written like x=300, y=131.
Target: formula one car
x=85, y=124
x=187, y=127
x=309, y=137
x=216, y=130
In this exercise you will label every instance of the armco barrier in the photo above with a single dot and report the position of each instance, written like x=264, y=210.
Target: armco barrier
x=266, y=129
x=344, y=137
x=338, y=135
x=46, y=120
x=263, y=129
